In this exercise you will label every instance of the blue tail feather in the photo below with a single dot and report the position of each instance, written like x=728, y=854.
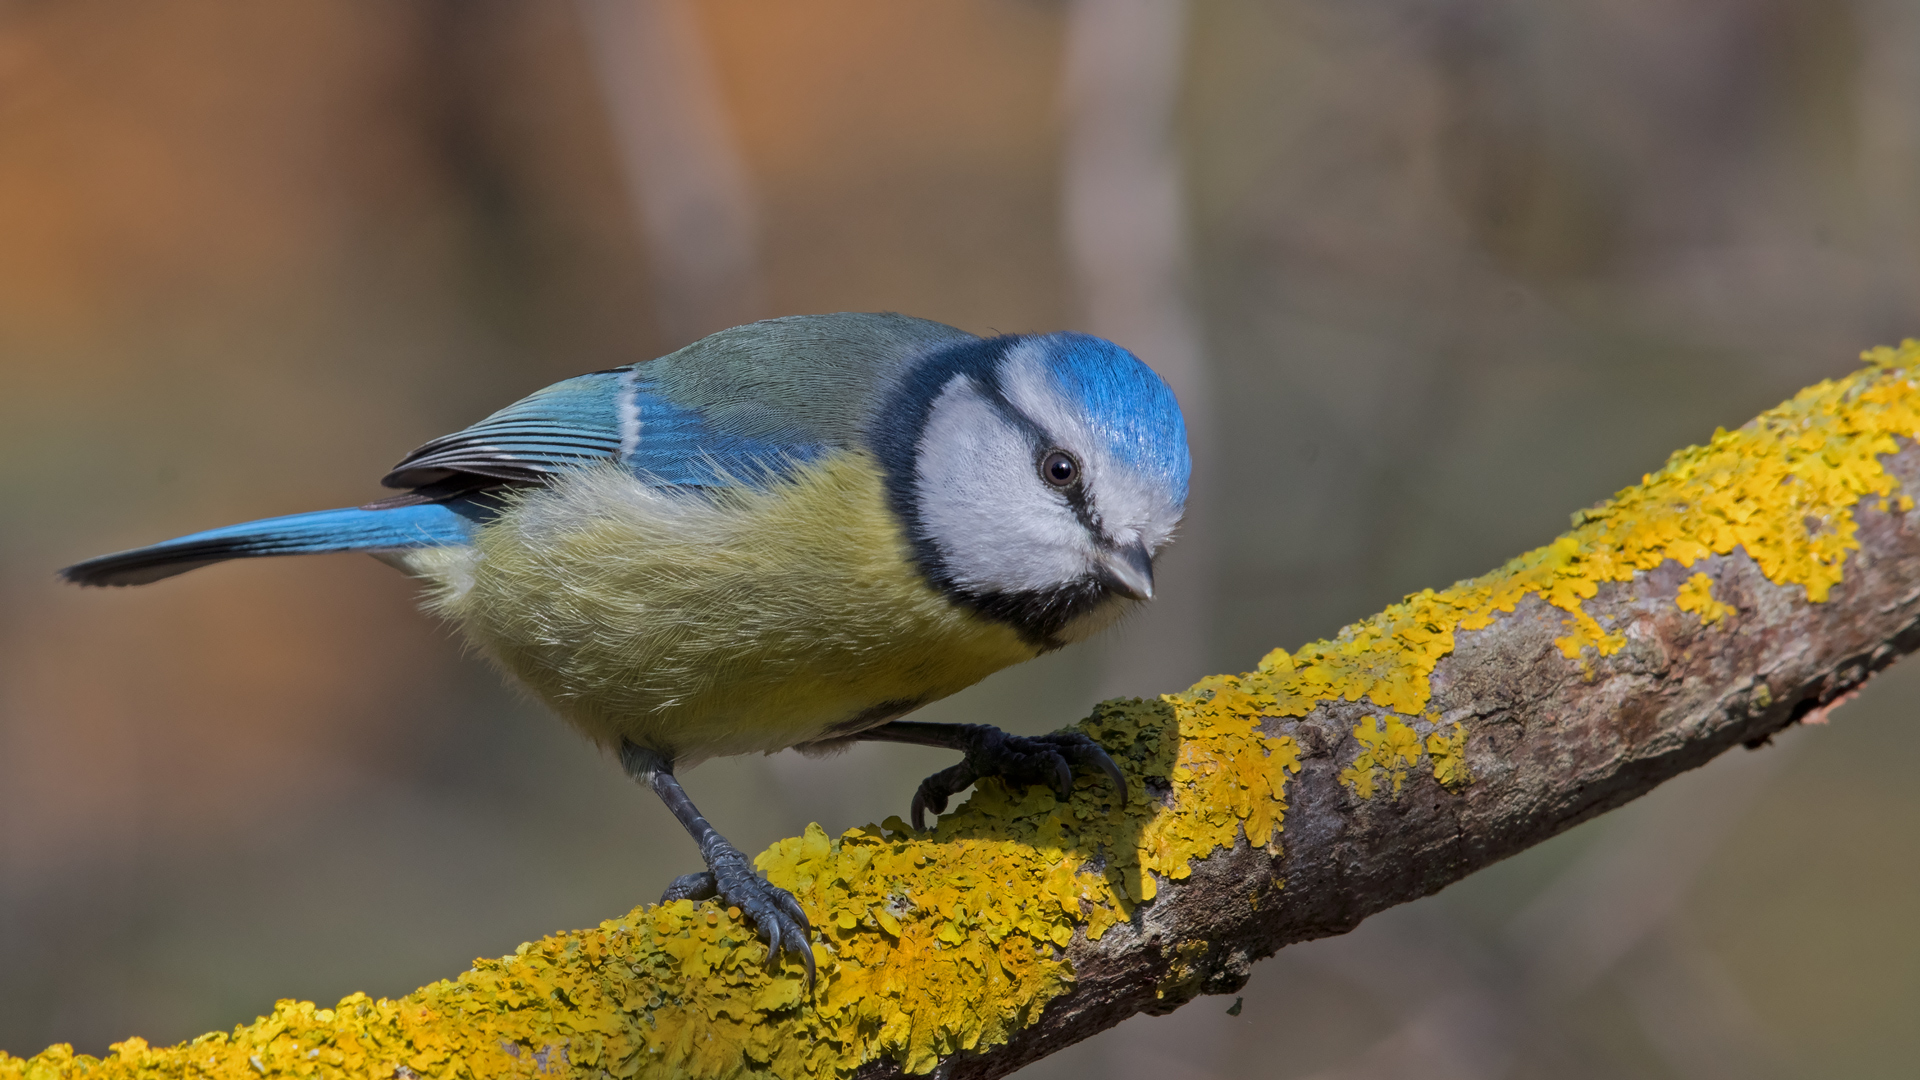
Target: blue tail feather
x=426, y=525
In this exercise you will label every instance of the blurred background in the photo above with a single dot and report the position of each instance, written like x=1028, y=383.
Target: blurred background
x=1427, y=274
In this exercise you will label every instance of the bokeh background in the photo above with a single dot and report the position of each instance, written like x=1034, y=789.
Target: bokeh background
x=1428, y=274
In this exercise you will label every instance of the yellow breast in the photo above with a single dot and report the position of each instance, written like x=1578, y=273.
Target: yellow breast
x=700, y=624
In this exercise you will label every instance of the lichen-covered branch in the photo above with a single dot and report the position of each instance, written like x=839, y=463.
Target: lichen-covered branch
x=1747, y=585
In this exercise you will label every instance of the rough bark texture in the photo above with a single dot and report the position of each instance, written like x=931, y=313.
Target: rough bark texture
x=1565, y=740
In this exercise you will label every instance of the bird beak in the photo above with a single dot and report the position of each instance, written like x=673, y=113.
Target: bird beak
x=1128, y=571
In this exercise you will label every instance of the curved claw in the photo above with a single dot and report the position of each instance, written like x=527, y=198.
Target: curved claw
x=935, y=790
x=1087, y=752
x=790, y=907
x=776, y=915
x=1112, y=769
x=922, y=802
x=1021, y=761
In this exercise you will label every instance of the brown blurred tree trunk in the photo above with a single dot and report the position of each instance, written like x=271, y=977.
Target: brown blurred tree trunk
x=1124, y=206
x=687, y=181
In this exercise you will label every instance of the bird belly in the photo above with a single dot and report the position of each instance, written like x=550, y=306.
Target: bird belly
x=720, y=621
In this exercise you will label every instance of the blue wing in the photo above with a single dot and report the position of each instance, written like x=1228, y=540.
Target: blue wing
x=552, y=430
x=618, y=414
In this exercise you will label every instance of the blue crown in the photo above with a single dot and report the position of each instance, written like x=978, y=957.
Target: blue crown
x=1127, y=401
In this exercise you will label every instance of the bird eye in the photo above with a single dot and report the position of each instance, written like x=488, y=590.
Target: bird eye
x=1059, y=469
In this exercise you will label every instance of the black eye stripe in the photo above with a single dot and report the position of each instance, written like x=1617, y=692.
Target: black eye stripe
x=1044, y=444
x=1075, y=492
x=996, y=396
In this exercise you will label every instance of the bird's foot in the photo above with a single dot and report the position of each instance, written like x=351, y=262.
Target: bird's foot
x=1020, y=760
x=775, y=914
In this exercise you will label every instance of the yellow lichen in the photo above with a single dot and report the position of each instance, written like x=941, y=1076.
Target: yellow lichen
x=1184, y=975
x=1585, y=630
x=1696, y=595
x=1449, y=755
x=932, y=944
x=1391, y=748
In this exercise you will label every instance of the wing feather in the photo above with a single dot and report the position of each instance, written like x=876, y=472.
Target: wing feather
x=742, y=406
x=613, y=414
x=561, y=427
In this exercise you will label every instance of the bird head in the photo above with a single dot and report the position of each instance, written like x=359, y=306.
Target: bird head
x=1039, y=476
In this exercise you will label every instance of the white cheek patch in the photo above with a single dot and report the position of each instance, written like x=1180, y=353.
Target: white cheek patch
x=998, y=528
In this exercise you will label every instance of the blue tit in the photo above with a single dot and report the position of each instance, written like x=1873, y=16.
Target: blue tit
x=788, y=534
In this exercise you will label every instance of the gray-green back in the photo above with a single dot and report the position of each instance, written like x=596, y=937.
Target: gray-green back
x=798, y=379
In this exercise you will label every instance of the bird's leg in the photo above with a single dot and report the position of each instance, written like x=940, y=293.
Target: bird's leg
x=1020, y=760
x=729, y=874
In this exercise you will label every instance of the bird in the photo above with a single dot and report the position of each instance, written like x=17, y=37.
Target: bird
x=788, y=534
